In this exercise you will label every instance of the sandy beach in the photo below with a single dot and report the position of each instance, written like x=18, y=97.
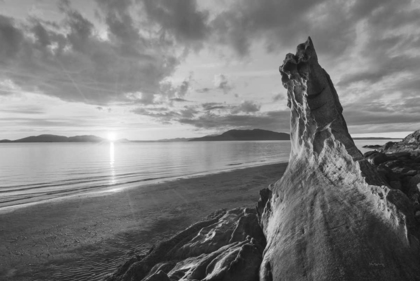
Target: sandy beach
x=86, y=238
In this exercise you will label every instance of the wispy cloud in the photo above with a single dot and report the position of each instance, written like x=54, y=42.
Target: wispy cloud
x=221, y=82
x=246, y=107
x=274, y=120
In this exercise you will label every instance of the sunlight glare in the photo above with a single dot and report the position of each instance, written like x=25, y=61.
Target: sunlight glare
x=112, y=136
x=111, y=154
x=112, y=180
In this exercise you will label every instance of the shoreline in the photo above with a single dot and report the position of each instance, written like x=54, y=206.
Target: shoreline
x=86, y=237
x=98, y=191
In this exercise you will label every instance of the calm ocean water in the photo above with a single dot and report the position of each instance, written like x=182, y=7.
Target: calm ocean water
x=34, y=172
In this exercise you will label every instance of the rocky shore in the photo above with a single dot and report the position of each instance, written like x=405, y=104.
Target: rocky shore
x=398, y=164
x=335, y=214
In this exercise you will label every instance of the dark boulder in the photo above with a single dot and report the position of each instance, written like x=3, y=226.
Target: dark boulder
x=370, y=153
x=377, y=158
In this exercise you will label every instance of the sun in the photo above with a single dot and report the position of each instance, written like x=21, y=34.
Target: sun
x=112, y=136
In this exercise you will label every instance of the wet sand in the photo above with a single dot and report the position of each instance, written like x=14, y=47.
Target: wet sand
x=86, y=238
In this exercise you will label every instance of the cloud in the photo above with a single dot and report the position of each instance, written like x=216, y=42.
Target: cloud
x=179, y=100
x=23, y=110
x=337, y=28
x=358, y=117
x=8, y=87
x=219, y=116
x=11, y=39
x=75, y=64
x=213, y=105
x=166, y=115
x=175, y=92
x=389, y=112
x=203, y=90
x=221, y=82
x=382, y=67
x=282, y=23
x=246, y=107
x=273, y=120
x=163, y=115
x=379, y=128
x=179, y=19
x=278, y=97
x=46, y=123
x=121, y=25
x=189, y=111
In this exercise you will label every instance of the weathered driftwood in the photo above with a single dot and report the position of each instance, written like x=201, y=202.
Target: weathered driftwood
x=331, y=217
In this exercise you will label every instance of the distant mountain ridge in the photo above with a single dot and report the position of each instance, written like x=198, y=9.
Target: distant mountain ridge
x=244, y=135
x=231, y=135
x=56, y=138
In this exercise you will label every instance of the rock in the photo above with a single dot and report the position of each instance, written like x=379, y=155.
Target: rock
x=331, y=216
x=228, y=246
x=412, y=172
x=389, y=145
x=387, y=173
x=159, y=276
x=395, y=185
x=265, y=195
x=403, y=155
x=414, y=182
x=404, y=171
x=413, y=138
x=400, y=170
x=418, y=216
x=375, y=146
x=383, y=175
x=413, y=188
x=391, y=157
x=394, y=163
x=377, y=158
x=239, y=261
x=409, y=144
x=415, y=199
x=369, y=153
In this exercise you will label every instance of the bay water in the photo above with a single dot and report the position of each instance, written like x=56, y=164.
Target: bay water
x=34, y=172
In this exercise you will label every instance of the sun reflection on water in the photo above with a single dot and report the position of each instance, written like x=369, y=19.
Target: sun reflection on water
x=112, y=179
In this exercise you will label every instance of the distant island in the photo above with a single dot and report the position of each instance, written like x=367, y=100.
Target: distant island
x=245, y=135
x=56, y=138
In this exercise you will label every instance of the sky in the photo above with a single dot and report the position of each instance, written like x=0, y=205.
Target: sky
x=158, y=69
